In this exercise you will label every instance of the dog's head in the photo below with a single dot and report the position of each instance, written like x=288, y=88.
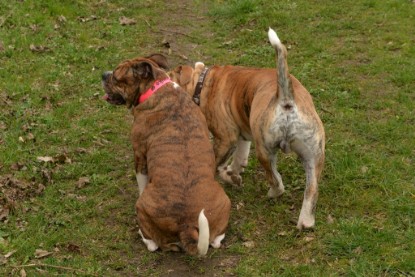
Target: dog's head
x=187, y=76
x=131, y=78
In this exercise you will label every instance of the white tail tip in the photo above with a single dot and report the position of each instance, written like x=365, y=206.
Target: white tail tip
x=203, y=242
x=273, y=38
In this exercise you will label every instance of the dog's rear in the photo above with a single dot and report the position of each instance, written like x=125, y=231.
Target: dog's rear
x=182, y=206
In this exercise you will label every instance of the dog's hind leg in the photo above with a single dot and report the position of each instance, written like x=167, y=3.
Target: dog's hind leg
x=269, y=161
x=313, y=167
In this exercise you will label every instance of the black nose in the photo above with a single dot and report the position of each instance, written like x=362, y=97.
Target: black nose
x=105, y=75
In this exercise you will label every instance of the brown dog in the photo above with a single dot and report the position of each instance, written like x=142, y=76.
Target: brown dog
x=270, y=108
x=180, y=204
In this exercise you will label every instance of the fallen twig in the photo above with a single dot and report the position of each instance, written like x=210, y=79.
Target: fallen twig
x=56, y=267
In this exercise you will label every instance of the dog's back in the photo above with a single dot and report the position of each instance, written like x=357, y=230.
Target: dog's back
x=181, y=168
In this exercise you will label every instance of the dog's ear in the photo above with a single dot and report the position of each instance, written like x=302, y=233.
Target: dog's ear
x=160, y=60
x=143, y=70
x=185, y=74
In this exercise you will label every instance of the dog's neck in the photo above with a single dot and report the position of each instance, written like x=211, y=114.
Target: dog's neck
x=199, y=86
x=154, y=87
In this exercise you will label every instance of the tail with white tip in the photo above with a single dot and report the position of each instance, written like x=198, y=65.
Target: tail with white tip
x=284, y=81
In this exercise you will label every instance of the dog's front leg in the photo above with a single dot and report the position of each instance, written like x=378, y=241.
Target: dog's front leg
x=240, y=156
x=141, y=172
x=142, y=181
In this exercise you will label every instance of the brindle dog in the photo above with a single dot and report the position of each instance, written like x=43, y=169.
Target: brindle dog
x=181, y=206
x=267, y=106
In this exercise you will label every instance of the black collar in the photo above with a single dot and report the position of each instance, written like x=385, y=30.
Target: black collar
x=199, y=86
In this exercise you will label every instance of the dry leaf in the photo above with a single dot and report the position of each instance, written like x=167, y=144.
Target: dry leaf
x=127, y=21
x=38, y=48
x=82, y=182
x=61, y=18
x=330, y=219
x=23, y=273
x=307, y=239
x=3, y=260
x=4, y=213
x=239, y=206
x=39, y=253
x=45, y=159
x=249, y=244
x=282, y=234
x=8, y=255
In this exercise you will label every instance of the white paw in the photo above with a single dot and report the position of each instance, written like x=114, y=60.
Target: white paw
x=230, y=177
x=273, y=193
x=217, y=242
x=151, y=245
x=306, y=222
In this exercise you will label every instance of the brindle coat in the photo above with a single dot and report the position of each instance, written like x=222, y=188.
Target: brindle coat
x=272, y=109
x=171, y=147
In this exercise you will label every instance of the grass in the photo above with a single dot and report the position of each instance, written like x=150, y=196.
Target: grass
x=355, y=58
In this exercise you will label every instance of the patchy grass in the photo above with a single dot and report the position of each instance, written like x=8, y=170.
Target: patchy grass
x=77, y=201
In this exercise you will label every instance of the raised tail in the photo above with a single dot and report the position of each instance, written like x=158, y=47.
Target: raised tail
x=203, y=242
x=284, y=81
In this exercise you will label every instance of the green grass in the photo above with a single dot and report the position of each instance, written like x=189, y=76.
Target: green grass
x=356, y=59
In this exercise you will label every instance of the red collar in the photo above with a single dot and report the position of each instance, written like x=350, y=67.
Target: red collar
x=157, y=84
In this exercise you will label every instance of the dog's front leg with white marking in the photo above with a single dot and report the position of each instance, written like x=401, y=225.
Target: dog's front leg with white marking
x=142, y=181
x=240, y=156
x=217, y=242
x=151, y=245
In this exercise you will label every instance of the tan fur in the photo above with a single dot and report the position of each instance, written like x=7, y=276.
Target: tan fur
x=246, y=104
x=171, y=145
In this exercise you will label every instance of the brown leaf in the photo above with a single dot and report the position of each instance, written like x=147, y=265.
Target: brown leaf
x=73, y=248
x=8, y=255
x=249, y=244
x=47, y=176
x=17, y=166
x=40, y=253
x=4, y=213
x=45, y=159
x=62, y=158
x=82, y=182
x=23, y=273
x=127, y=21
x=87, y=19
x=39, y=48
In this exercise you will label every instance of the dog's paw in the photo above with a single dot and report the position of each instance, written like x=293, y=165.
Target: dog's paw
x=273, y=193
x=228, y=176
x=306, y=221
x=151, y=245
x=218, y=241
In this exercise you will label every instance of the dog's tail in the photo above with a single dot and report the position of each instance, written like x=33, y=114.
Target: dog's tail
x=197, y=243
x=203, y=242
x=284, y=80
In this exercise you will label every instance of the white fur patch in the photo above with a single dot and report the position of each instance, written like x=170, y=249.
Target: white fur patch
x=217, y=242
x=142, y=181
x=176, y=85
x=197, y=64
x=151, y=245
x=273, y=38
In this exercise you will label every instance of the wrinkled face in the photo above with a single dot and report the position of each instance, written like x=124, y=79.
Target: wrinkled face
x=129, y=79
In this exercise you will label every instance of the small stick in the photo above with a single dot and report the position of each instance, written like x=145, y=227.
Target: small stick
x=54, y=266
